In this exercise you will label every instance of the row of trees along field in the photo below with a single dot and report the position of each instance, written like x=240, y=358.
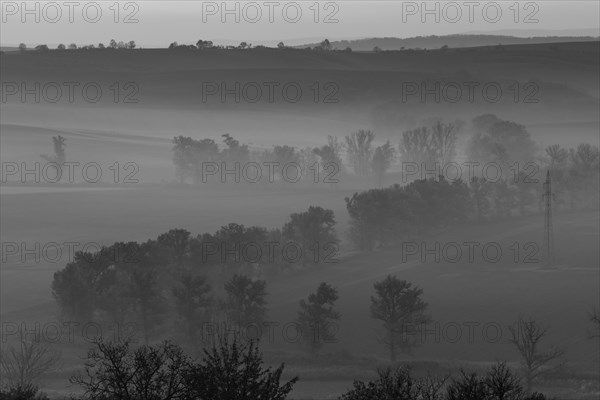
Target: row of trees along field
x=488, y=140
x=191, y=157
x=147, y=281
x=387, y=216
x=325, y=45
x=396, y=304
x=113, y=44
x=505, y=145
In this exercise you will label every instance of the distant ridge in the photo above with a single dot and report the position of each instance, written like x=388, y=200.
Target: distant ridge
x=528, y=33
x=452, y=41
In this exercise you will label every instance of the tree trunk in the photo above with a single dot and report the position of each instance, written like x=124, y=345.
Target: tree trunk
x=528, y=381
x=392, y=346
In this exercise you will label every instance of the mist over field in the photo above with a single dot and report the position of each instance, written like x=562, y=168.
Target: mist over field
x=344, y=206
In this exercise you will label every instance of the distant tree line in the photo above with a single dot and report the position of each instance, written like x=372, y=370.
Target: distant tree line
x=384, y=217
x=113, y=45
x=146, y=282
x=397, y=304
x=196, y=160
x=191, y=155
x=324, y=46
x=388, y=216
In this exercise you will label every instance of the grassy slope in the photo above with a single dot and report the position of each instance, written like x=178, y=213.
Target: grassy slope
x=370, y=85
x=106, y=132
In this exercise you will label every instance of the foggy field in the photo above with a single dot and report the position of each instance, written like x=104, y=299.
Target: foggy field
x=149, y=159
x=480, y=292
x=370, y=89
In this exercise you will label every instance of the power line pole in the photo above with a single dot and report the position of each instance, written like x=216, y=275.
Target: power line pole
x=548, y=244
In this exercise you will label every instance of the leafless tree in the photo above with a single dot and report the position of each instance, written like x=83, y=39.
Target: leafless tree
x=360, y=151
x=431, y=387
x=502, y=384
x=23, y=364
x=443, y=142
x=114, y=370
x=526, y=335
x=557, y=155
x=429, y=145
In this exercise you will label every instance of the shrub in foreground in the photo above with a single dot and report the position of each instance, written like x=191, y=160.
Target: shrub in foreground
x=397, y=384
x=235, y=372
x=22, y=392
x=499, y=383
x=229, y=371
x=113, y=370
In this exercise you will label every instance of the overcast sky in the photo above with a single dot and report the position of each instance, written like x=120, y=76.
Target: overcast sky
x=157, y=23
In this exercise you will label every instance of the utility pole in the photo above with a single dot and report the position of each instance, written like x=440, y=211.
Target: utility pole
x=548, y=244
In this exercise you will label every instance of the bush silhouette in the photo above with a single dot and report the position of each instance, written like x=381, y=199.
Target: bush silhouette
x=234, y=371
x=499, y=383
x=231, y=371
x=22, y=392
